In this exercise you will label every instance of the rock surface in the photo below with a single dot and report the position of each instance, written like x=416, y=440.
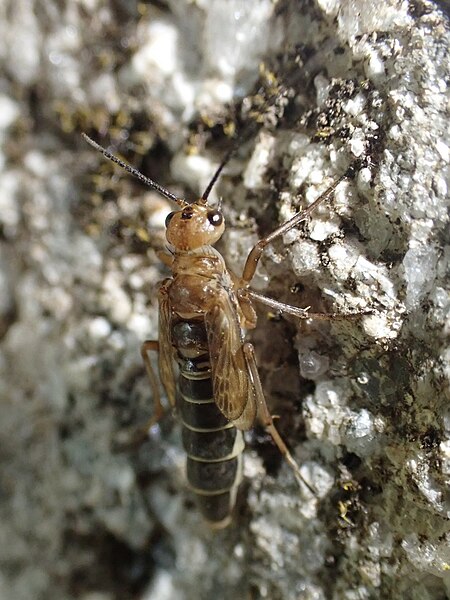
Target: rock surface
x=362, y=402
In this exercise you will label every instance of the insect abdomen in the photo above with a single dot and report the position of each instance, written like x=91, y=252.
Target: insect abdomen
x=213, y=445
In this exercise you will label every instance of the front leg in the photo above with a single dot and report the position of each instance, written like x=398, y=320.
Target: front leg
x=257, y=250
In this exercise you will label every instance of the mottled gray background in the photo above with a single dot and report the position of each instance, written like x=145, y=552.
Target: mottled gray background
x=363, y=403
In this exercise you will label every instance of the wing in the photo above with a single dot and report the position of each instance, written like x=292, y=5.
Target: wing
x=233, y=389
x=165, y=363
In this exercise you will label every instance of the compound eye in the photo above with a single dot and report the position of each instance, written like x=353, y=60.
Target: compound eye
x=169, y=218
x=215, y=217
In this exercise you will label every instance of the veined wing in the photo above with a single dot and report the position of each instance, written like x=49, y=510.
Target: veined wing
x=166, y=371
x=233, y=389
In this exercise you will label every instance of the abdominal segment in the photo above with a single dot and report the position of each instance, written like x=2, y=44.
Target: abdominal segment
x=213, y=445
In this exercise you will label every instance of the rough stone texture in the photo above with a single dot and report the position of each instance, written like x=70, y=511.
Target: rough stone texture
x=362, y=402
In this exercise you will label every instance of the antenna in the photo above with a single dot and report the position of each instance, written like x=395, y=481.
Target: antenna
x=135, y=172
x=219, y=169
x=240, y=140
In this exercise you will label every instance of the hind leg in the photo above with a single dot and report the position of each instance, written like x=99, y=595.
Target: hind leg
x=265, y=417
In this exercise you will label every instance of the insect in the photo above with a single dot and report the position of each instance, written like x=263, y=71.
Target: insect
x=203, y=310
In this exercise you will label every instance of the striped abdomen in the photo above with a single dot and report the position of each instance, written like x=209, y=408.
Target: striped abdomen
x=213, y=445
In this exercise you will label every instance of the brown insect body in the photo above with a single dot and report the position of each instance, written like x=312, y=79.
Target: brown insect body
x=203, y=309
x=200, y=320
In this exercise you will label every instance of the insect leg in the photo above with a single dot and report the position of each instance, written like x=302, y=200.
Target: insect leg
x=257, y=250
x=265, y=417
x=296, y=311
x=137, y=436
x=165, y=258
x=146, y=347
x=163, y=347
